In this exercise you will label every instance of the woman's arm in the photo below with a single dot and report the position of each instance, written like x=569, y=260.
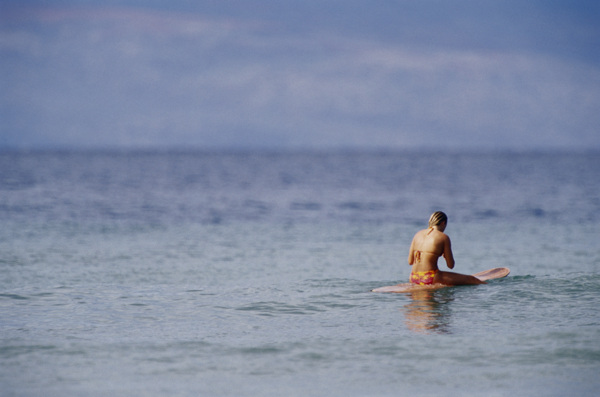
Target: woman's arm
x=448, y=253
x=411, y=252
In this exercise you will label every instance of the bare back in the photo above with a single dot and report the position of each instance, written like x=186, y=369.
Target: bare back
x=426, y=247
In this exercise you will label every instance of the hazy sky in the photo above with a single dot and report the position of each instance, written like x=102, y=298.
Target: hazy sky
x=512, y=74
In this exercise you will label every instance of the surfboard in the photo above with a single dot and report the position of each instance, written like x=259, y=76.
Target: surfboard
x=492, y=274
x=486, y=275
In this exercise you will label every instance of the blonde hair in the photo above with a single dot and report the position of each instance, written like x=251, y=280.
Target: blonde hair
x=437, y=218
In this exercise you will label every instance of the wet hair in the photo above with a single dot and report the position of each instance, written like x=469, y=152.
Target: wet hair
x=437, y=218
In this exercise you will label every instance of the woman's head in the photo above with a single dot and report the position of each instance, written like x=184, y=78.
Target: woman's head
x=437, y=218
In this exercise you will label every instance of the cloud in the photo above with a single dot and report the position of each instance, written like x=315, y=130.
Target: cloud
x=129, y=77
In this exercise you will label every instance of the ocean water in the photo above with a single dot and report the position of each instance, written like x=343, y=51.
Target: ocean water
x=248, y=274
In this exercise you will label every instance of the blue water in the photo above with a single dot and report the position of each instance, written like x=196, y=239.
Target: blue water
x=248, y=274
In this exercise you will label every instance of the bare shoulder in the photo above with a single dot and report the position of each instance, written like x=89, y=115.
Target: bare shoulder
x=441, y=236
x=420, y=235
x=445, y=236
x=416, y=235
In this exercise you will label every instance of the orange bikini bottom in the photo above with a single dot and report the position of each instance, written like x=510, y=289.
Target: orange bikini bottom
x=423, y=278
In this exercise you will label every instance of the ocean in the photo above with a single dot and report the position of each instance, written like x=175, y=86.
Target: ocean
x=190, y=273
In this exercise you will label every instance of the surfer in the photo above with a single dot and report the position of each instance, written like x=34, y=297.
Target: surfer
x=426, y=247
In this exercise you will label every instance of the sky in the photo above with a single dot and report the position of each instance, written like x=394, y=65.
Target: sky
x=300, y=74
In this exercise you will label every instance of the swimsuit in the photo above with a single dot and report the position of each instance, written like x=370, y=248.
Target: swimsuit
x=418, y=255
x=423, y=278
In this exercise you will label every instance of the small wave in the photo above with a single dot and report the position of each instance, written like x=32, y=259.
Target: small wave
x=523, y=277
x=261, y=350
x=537, y=212
x=487, y=214
x=14, y=296
x=274, y=308
x=305, y=206
x=15, y=351
x=361, y=206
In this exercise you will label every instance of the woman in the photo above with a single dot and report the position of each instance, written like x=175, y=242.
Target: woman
x=426, y=247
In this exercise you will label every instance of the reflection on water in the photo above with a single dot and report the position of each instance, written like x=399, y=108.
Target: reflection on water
x=428, y=311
